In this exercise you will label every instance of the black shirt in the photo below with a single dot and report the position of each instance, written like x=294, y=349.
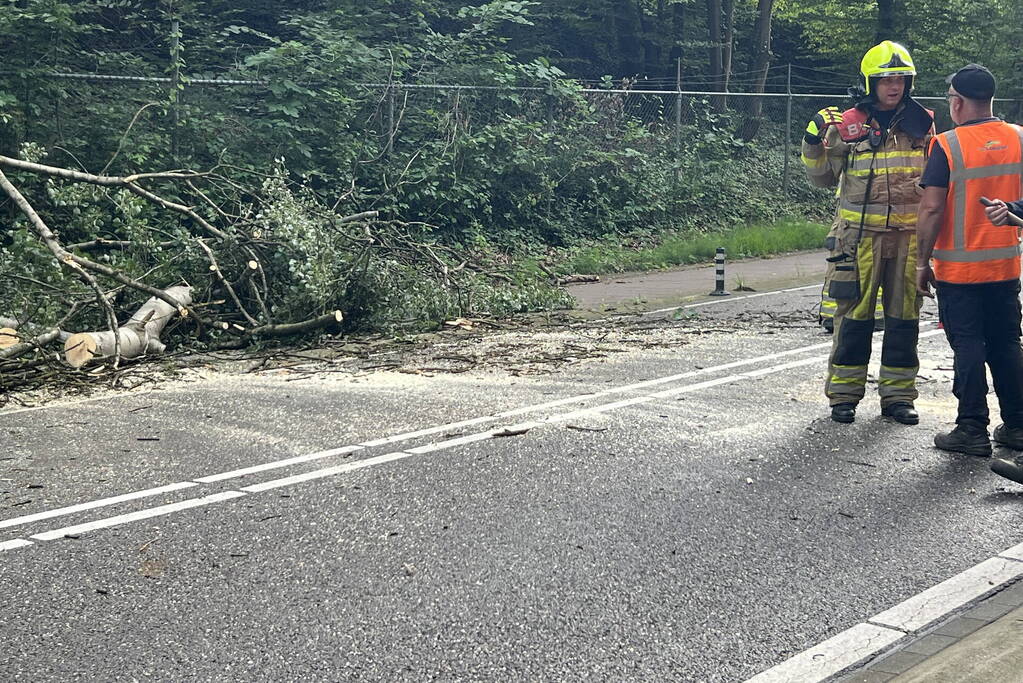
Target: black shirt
x=936, y=172
x=883, y=118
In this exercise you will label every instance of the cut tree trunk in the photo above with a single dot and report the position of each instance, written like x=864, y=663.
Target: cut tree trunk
x=8, y=337
x=138, y=337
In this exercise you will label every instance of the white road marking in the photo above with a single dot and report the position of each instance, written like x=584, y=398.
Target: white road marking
x=733, y=298
x=935, y=602
x=834, y=654
x=815, y=664
x=451, y=426
x=599, y=409
x=1014, y=553
x=470, y=438
x=16, y=543
x=71, y=509
x=475, y=421
x=135, y=516
x=397, y=438
x=667, y=393
x=275, y=465
x=326, y=472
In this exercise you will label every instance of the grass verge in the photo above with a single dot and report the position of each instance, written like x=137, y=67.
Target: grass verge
x=675, y=249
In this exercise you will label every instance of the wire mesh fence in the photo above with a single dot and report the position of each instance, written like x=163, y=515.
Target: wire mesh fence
x=205, y=117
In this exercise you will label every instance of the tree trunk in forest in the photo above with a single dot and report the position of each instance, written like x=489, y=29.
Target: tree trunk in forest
x=678, y=31
x=751, y=124
x=715, y=52
x=138, y=337
x=627, y=33
x=651, y=55
x=889, y=24
x=729, y=38
x=663, y=67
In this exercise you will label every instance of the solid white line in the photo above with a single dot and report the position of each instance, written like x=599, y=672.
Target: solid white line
x=135, y=516
x=471, y=438
x=16, y=543
x=468, y=438
x=834, y=654
x=326, y=472
x=71, y=509
x=731, y=298
x=277, y=464
x=784, y=366
x=598, y=409
x=703, y=385
x=932, y=604
x=1014, y=553
x=427, y=432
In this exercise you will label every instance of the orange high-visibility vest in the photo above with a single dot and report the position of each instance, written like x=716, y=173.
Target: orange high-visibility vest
x=984, y=159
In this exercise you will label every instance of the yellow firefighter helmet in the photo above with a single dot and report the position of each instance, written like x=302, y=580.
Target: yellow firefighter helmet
x=887, y=59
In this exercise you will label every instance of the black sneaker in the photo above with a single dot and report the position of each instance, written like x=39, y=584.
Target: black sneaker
x=1009, y=436
x=968, y=440
x=1010, y=469
x=843, y=412
x=903, y=412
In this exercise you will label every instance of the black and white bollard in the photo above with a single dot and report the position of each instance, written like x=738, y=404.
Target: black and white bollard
x=719, y=272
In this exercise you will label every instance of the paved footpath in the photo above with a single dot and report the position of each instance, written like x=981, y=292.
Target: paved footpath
x=649, y=291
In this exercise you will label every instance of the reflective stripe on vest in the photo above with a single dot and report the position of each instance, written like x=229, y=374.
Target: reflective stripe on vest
x=969, y=247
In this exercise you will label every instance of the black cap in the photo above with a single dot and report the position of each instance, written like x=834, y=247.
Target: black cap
x=973, y=81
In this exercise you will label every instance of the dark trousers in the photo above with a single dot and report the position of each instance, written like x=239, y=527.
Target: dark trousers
x=982, y=323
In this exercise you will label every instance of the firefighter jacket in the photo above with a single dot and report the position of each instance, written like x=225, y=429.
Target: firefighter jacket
x=890, y=169
x=985, y=159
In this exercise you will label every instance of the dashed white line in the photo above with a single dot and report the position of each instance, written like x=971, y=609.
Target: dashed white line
x=135, y=516
x=397, y=438
x=326, y=472
x=15, y=544
x=277, y=464
x=103, y=502
x=223, y=476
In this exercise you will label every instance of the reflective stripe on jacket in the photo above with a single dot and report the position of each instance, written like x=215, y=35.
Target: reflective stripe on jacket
x=896, y=169
x=984, y=159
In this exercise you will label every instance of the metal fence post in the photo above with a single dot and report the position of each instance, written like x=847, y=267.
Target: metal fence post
x=175, y=85
x=391, y=132
x=788, y=132
x=678, y=107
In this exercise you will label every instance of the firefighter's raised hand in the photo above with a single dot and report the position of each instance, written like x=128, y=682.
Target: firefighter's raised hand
x=818, y=126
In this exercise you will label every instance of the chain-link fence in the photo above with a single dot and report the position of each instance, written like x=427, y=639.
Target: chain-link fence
x=206, y=116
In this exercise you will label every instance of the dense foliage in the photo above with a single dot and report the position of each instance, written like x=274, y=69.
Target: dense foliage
x=488, y=168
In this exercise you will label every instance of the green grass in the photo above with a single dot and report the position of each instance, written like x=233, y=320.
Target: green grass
x=674, y=249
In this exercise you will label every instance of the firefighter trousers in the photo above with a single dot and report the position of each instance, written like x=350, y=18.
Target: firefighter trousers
x=886, y=260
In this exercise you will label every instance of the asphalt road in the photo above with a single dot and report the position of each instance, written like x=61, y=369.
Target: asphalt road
x=676, y=508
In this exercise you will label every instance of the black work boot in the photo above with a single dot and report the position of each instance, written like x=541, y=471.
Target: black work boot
x=843, y=412
x=1009, y=436
x=1010, y=469
x=966, y=439
x=903, y=412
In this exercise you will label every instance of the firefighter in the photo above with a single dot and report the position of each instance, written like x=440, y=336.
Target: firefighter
x=875, y=154
x=827, y=306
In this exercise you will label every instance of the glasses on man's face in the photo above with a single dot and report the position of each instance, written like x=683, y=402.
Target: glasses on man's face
x=950, y=96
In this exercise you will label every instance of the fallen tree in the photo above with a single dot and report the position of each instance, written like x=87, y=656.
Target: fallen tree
x=138, y=337
x=262, y=257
